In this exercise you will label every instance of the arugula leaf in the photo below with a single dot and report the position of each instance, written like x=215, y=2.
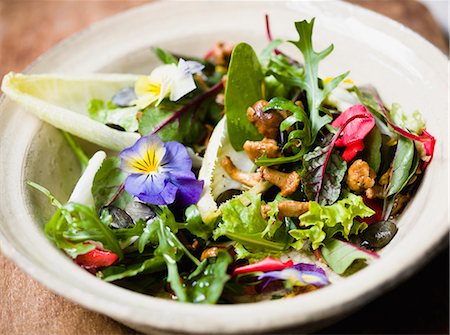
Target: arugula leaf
x=154, y=264
x=291, y=75
x=372, y=151
x=244, y=224
x=195, y=225
x=206, y=283
x=266, y=54
x=339, y=255
x=326, y=221
x=107, y=182
x=165, y=56
x=323, y=173
x=108, y=113
x=315, y=95
x=171, y=254
x=401, y=167
x=243, y=89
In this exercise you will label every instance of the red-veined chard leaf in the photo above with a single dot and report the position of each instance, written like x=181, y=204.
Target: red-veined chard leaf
x=324, y=172
x=339, y=255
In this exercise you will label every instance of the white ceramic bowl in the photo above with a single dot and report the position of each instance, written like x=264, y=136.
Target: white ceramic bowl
x=403, y=66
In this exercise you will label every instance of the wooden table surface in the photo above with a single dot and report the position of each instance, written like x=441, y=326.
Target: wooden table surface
x=27, y=29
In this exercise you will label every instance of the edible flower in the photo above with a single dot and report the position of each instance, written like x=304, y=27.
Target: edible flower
x=160, y=173
x=267, y=264
x=169, y=80
x=356, y=123
x=300, y=274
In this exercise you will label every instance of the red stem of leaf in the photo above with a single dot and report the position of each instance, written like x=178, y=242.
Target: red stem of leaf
x=119, y=191
x=193, y=103
x=330, y=149
x=421, y=138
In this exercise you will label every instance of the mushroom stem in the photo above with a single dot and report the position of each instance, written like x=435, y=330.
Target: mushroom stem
x=287, y=182
x=248, y=179
x=287, y=208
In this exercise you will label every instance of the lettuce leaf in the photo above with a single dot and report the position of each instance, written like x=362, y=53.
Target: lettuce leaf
x=243, y=223
x=414, y=122
x=339, y=255
x=326, y=221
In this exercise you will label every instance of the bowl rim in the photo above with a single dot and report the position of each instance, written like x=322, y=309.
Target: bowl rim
x=61, y=287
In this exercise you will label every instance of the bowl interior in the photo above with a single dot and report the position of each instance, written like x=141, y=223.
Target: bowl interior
x=403, y=67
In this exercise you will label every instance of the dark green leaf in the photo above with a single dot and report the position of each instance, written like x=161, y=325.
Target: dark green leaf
x=243, y=89
x=372, y=148
x=401, y=167
x=340, y=255
x=195, y=225
x=314, y=95
x=154, y=264
x=107, y=182
x=206, y=283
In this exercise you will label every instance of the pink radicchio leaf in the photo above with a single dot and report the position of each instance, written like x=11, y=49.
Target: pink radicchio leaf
x=358, y=123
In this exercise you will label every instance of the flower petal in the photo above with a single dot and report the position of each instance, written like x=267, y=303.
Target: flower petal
x=189, y=190
x=176, y=160
x=145, y=156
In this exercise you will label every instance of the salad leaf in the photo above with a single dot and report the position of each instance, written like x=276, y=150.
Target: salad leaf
x=401, y=168
x=107, y=182
x=109, y=113
x=372, y=152
x=324, y=172
x=244, y=223
x=267, y=52
x=195, y=225
x=315, y=95
x=206, y=283
x=326, y=221
x=339, y=255
x=243, y=89
x=61, y=101
x=413, y=122
x=154, y=264
x=287, y=73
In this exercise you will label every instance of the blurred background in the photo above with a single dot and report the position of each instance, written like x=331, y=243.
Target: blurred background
x=28, y=28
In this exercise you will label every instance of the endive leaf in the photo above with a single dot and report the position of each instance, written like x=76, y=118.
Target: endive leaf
x=62, y=101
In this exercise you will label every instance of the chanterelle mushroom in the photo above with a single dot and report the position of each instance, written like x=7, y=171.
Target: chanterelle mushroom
x=256, y=149
x=360, y=176
x=287, y=182
x=248, y=179
x=267, y=123
x=287, y=208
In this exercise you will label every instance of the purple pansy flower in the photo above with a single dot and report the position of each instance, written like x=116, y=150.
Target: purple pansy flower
x=300, y=274
x=160, y=173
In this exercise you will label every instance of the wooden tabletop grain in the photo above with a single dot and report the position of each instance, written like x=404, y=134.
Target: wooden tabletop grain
x=27, y=29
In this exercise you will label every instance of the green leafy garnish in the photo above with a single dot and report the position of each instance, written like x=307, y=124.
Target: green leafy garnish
x=325, y=221
x=194, y=223
x=323, y=174
x=206, y=283
x=402, y=165
x=339, y=255
x=108, y=113
x=243, y=89
x=314, y=95
x=107, y=182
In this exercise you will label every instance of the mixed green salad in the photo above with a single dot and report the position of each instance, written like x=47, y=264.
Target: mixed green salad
x=239, y=177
